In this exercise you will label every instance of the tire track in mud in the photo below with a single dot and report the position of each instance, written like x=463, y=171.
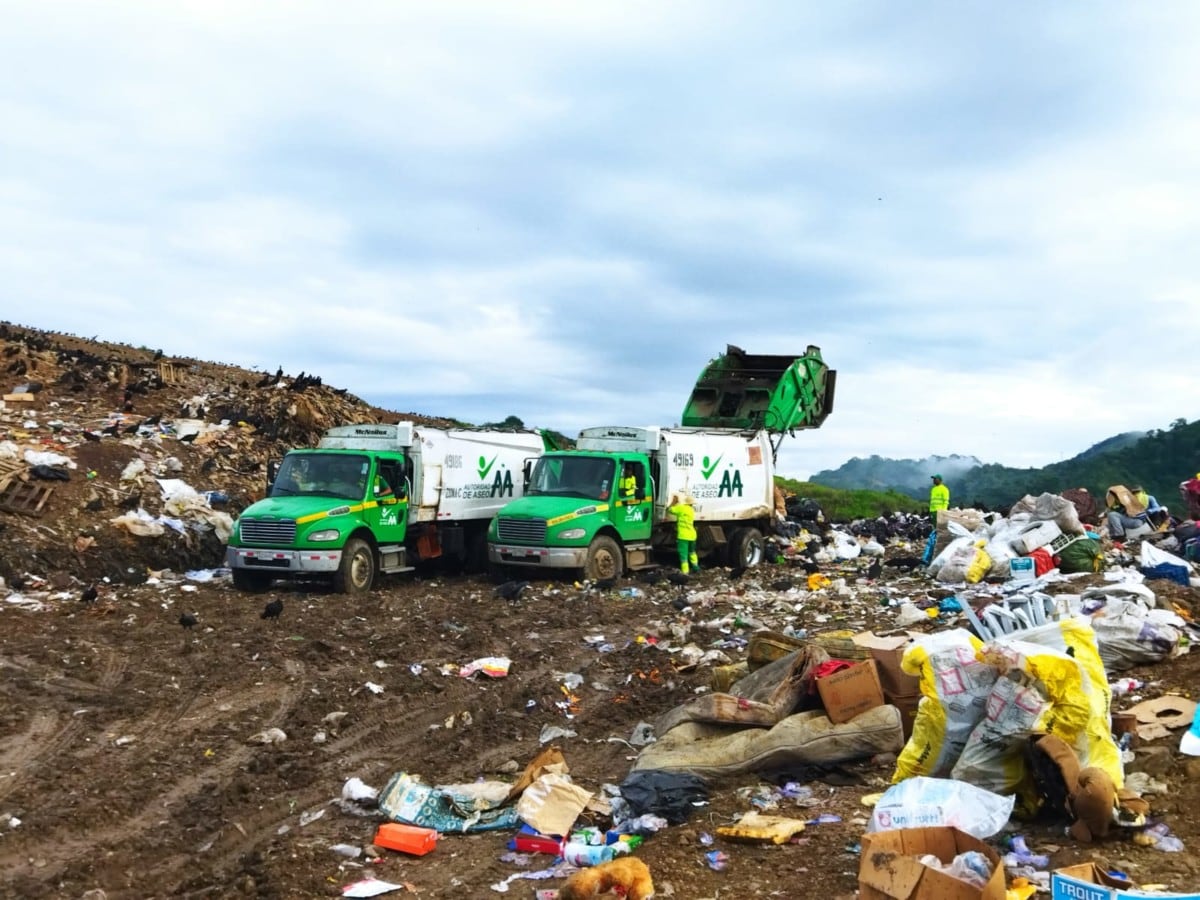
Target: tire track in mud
x=377, y=737
x=69, y=847
x=48, y=735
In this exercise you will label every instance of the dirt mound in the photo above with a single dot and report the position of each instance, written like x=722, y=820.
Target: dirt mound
x=89, y=410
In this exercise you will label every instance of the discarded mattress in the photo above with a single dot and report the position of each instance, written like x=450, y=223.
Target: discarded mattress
x=806, y=738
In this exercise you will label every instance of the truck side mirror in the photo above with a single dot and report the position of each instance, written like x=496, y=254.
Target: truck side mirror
x=272, y=471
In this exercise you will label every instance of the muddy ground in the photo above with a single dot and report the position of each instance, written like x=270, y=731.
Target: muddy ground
x=126, y=762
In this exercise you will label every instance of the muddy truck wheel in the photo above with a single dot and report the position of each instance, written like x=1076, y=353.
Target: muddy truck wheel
x=747, y=547
x=603, y=559
x=356, y=573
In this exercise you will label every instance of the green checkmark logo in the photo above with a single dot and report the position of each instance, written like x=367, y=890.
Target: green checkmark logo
x=485, y=466
x=707, y=468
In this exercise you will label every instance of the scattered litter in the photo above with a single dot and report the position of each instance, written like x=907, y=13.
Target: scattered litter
x=370, y=887
x=492, y=666
x=269, y=736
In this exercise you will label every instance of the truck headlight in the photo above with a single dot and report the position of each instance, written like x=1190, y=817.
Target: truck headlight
x=572, y=534
x=329, y=534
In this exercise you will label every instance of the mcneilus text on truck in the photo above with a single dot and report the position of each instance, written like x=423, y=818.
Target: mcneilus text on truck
x=380, y=498
x=573, y=515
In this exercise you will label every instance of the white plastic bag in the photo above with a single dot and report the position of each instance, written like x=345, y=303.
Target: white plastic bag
x=923, y=802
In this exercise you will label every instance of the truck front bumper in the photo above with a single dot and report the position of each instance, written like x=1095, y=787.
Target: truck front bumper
x=282, y=563
x=544, y=557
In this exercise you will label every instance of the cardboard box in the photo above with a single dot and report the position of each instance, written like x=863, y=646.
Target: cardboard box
x=850, y=692
x=1088, y=881
x=888, y=868
x=888, y=652
x=908, y=712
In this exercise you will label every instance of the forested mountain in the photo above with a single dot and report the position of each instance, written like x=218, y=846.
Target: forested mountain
x=1158, y=460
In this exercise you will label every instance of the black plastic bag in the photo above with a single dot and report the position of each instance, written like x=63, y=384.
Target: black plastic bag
x=672, y=795
x=49, y=473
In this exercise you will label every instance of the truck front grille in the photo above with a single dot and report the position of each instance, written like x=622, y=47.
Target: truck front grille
x=526, y=531
x=268, y=531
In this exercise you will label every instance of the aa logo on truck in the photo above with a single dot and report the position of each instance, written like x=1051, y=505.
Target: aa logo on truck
x=729, y=486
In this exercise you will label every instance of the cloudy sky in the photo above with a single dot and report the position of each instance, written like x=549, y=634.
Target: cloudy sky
x=985, y=215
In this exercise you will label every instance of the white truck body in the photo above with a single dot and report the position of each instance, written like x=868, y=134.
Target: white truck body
x=729, y=475
x=458, y=474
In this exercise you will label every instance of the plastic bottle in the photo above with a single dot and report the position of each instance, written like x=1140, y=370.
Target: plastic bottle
x=578, y=854
x=1123, y=686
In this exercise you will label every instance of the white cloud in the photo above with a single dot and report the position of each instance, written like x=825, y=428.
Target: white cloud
x=561, y=211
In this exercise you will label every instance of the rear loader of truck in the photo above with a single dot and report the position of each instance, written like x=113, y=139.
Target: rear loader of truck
x=373, y=499
x=577, y=514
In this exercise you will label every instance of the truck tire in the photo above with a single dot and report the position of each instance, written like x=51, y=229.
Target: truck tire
x=356, y=573
x=603, y=559
x=252, y=582
x=747, y=547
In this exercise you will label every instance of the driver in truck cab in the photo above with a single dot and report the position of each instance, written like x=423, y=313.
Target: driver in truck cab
x=627, y=486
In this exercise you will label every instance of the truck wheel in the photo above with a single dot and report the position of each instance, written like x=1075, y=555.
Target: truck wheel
x=603, y=559
x=253, y=582
x=356, y=573
x=746, y=548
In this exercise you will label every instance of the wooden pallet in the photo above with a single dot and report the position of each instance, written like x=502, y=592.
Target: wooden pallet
x=25, y=497
x=10, y=469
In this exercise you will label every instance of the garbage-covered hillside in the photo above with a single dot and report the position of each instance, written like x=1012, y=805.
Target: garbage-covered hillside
x=1012, y=694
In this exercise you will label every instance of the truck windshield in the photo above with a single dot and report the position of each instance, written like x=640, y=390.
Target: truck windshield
x=339, y=475
x=573, y=476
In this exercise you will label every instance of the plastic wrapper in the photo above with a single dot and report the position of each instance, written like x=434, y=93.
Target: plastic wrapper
x=935, y=802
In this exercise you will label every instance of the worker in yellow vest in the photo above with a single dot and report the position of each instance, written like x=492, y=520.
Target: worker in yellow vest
x=939, y=498
x=685, y=531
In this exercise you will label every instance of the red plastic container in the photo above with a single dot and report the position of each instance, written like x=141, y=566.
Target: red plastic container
x=410, y=839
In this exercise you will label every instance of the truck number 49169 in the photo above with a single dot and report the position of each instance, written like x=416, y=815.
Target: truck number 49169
x=682, y=459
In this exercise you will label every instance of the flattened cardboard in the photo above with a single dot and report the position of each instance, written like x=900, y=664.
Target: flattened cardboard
x=850, y=692
x=1168, y=711
x=888, y=868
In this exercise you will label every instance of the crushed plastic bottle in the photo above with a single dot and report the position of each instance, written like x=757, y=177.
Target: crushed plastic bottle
x=1123, y=686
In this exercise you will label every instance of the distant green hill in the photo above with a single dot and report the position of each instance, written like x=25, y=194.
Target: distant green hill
x=1157, y=460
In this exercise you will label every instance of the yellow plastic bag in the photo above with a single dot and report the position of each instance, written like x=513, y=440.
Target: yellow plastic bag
x=955, y=686
x=753, y=826
x=980, y=565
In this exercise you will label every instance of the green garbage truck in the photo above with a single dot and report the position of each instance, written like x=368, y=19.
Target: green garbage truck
x=373, y=499
x=601, y=508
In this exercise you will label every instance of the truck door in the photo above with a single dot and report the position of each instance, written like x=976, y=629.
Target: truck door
x=386, y=507
x=633, y=506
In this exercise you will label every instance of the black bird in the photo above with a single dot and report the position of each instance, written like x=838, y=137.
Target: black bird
x=132, y=429
x=784, y=584
x=16, y=582
x=90, y=436
x=89, y=594
x=606, y=584
x=736, y=572
x=875, y=569
x=651, y=577
x=678, y=578
x=151, y=420
x=189, y=437
x=510, y=590
x=111, y=429
x=810, y=567
x=187, y=620
x=273, y=610
x=904, y=562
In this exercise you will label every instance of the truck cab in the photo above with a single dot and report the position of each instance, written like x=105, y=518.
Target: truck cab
x=373, y=499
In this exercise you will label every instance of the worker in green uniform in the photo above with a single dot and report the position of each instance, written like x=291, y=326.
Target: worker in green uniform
x=685, y=531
